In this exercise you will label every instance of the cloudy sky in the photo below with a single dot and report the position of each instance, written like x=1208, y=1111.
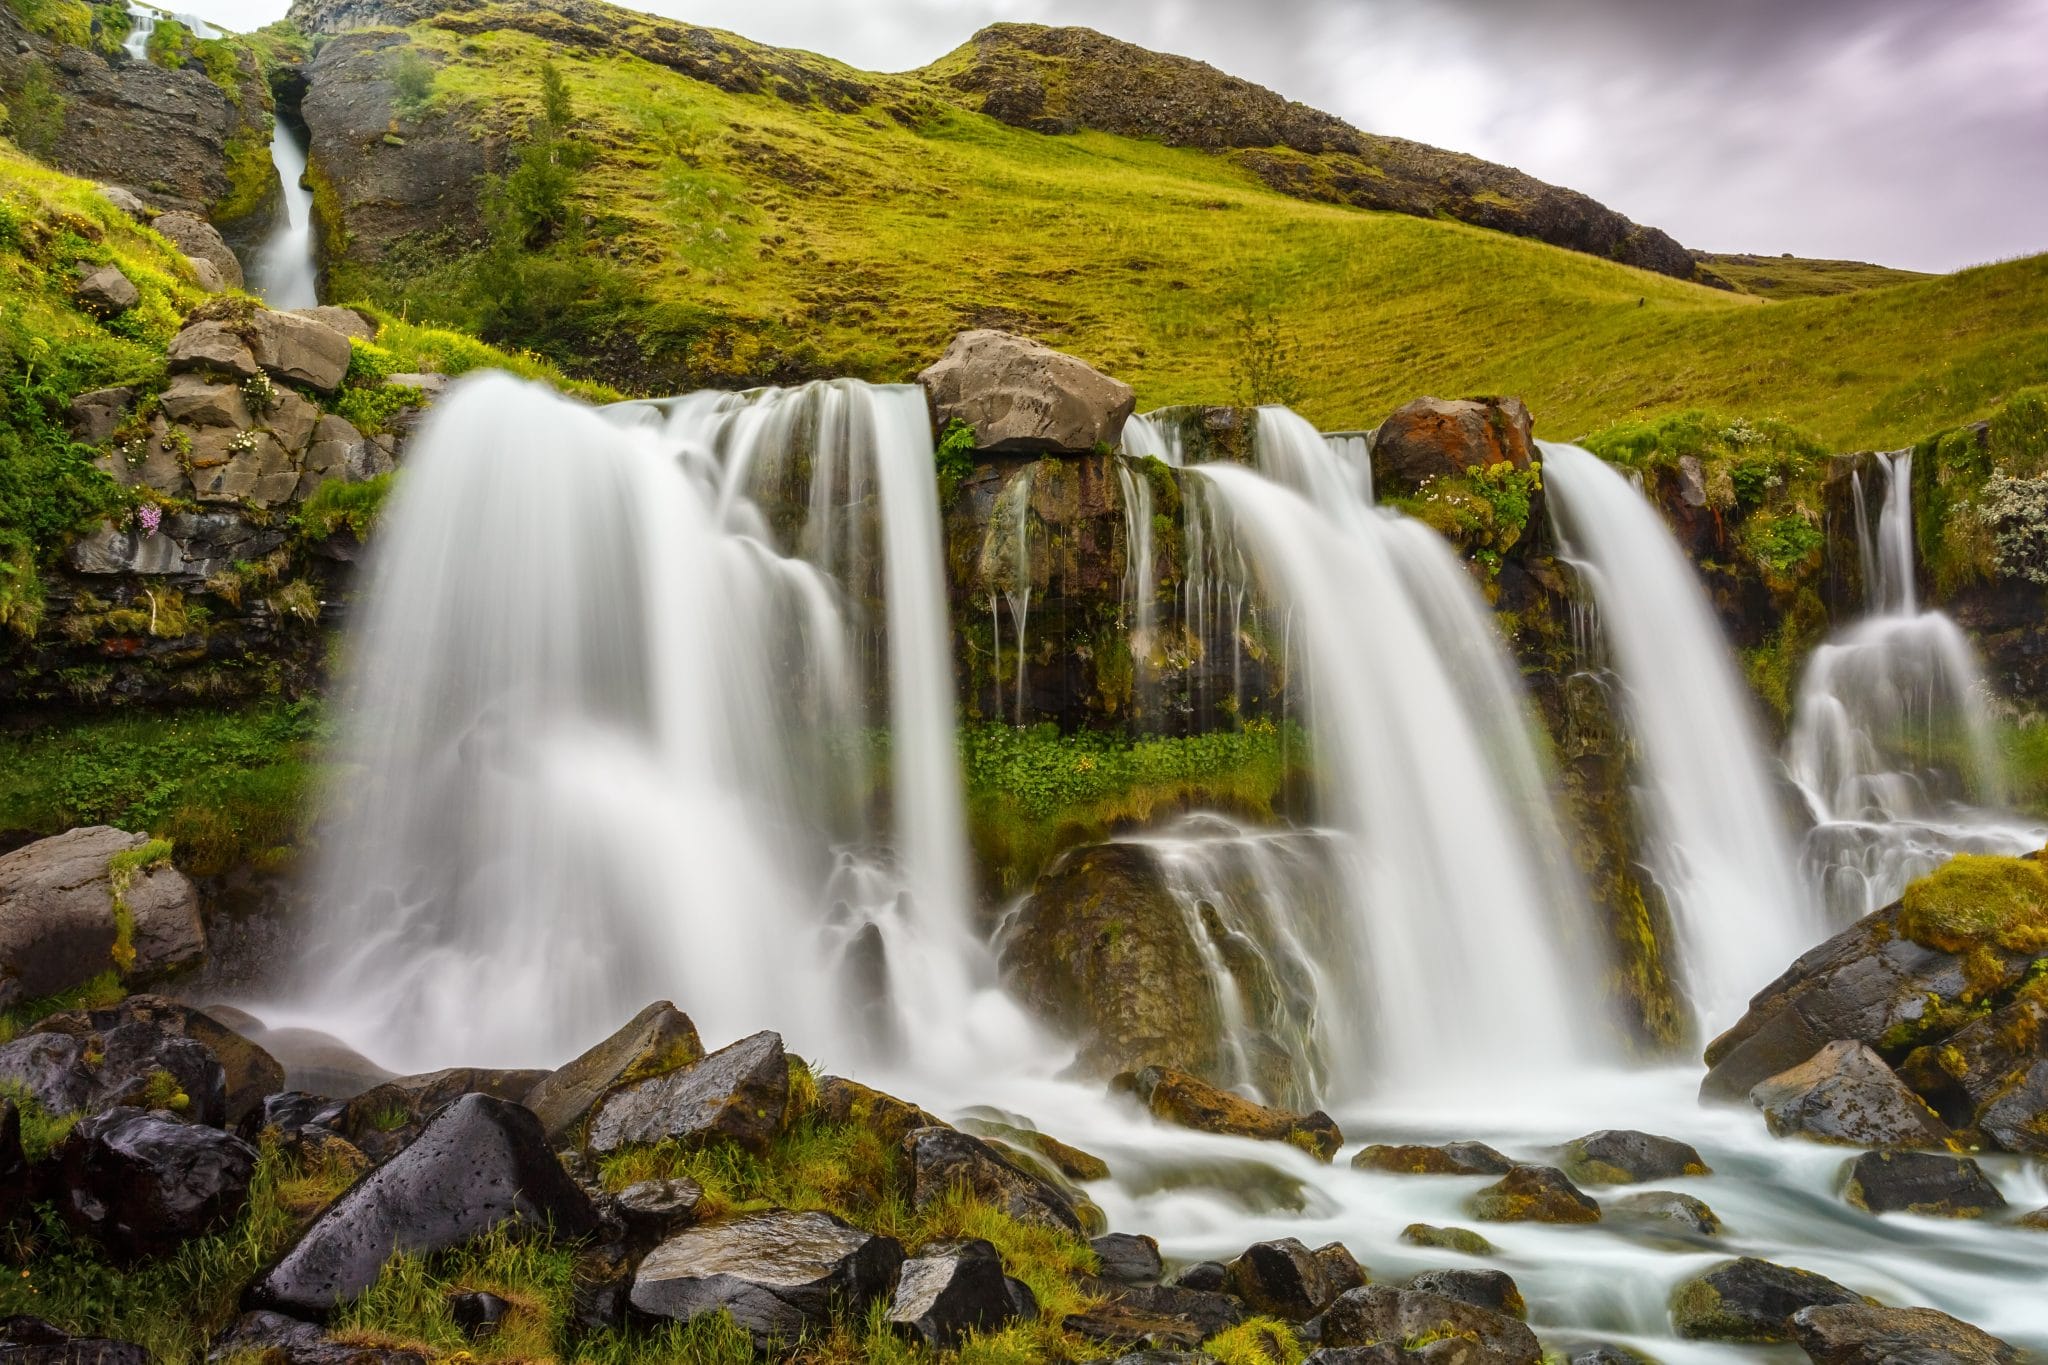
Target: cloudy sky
x=1911, y=132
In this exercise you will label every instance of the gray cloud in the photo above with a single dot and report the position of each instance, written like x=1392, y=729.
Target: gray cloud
x=1912, y=132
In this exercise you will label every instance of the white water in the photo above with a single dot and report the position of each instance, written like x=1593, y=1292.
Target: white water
x=283, y=272
x=141, y=25
x=1724, y=857
x=1892, y=745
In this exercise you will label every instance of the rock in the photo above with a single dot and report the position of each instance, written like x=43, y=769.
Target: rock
x=479, y=1162
x=1858, y=1334
x=207, y=276
x=1364, y=1317
x=201, y=241
x=738, y=1094
x=1204, y=1311
x=478, y=1313
x=292, y=420
x=1070, y=1162
x=1622, y=1157
x=657, y=1040
x=211, y=348
x=1180, y=1098
x=1967, y=1071
x=1430, y=439
x=1603, y=1354
x=1128, y=1259
x=57, y=923
x=1680, y=1210
x=1750, y=1300
x=1132, y=1329
x=1207, y=1276
x=194, y=402
x=1447, y=1239
x=31, y=1341
x=318, y=1063
x=143, y=1184
x=949, y=1290
x=2017, y=1116
x=1341, y=1270
x=1453, y=1158
x=1938, y=1186
x=1281, y=1279
x=131, y=1065
x=1535, y=1194
x=299, y=350
x=888, y=1118
x=1023, y=397
x=1492, y=1289
x=125, y=200
x=287, y=1111
x=431, y=386
x=387, y=1117
x=1845, y=1093
x=248, y=1072
x=349, y=322
x=107, y=292
x=276, y=1339
x=942, y=1160
x=1023, y=1303
x=97, y=415
x=779, y=1274
x=656, y=1209
x=1380, y=1353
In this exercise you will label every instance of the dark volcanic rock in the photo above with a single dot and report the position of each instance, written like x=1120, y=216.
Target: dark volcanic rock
x=656, y=1209
x=1858, y=1334
x=1494, y=1289
x=1453, y=1158
x=478, y=1163
x=387, y=1117
x=738, y=1094
x=1680, y=1210
x=1921, y=1182
x=779, y=1274
x=1535, y=1194
x=1205, y=1311
x=1622, y=1157
x=949, y=1290
x=942, y=1160
x=133, y=1064
x=1128, y=1259
x=1972, y=1068
x=1282, y=1279
x=1365, y=1317
x=145, y=1183
x=1845, y=1093
x=657, y=1040
x=249, y=1072
x=1750, y=1300
x=276, y=1339
x=14, y=1174
x=478, y=1313
x=31, y=1341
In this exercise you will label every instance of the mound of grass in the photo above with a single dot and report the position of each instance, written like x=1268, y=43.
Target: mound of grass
x=1792, y=277
x=1977, y=901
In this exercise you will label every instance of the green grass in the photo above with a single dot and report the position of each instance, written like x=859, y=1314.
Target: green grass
x=1791, y=277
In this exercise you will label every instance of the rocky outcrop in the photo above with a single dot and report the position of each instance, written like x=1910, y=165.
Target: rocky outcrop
x=657, y=1040
x=1750, y=1300
x=201, y=241
x=1064, y=80
x=60, y=926
x=1190, y=1102
x=778, y=1274
x=1022, y=397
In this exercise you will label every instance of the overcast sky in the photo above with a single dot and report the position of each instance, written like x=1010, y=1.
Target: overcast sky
x=1910, y=132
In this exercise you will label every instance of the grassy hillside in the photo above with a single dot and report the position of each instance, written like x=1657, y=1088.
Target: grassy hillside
x=1793, y=277
x=740, y=236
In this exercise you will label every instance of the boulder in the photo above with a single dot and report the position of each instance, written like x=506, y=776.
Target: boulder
x=97, y=415
x=1023, y=397
x=480, y=1162
x=350, y=322
x=127, y=201
x=31, y=1341
x=1379, y=1353
x=212, y=348
x=657, y=1040
x=1341, y=1270
x=1431, y=438
x=1494, y=1289
x=107, y=292
x=2016, y=1118
x=1190, y=1102
x=1929, y=1183
x=1622, y=1157
x=1127, y=1258
x=130, y=1065
x=477, y=1313
x=194, y=401
x=1750, y=1300
x=387, y=1117
x=201, y=241
x=1535, y=1194
x=57, y=922
x=1133, y=1328
x=276, y=1339
x=207, y=275
x=943, y=1160
x=1070, y=1162
x=1447, y=1239
x=1680, y=1211
x=948, y=1290
x=738, y=1094
x=299, y=350
x=1453, y=1158
x=143, y=1184
x=1207, y=1276
x=1206, y=1312
x=1845, y=1093
x=779, y=1274
x=334, y=445
x=1281, y=1279
x=1859, y=1334
x=888, y=1118
x=1366, y=1317
x=656, y=1209
x=1969, y=1069
x=292, y=420
x=249, y=1073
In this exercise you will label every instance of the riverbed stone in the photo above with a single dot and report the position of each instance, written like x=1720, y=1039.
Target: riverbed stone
x=738, y=1094
x=1453, y=1158
x=480, y=1162
x=1933, y=1184
x=1682, y=1211
x=143, y=1184
x=1280, y=1278
x=1191, y=1102
x=299, y=350
x=1493, y=1289
x=1023, y=397
x=1128, y=1258
x=1379, y=1313
x=657, y=1040
x=1447, y=1239
x=942, y=1160
x=1861, y=1334
x=1616, y=1156
x=778, y=1273
x=1535, y=1194
x=1750, y=1300
x=1846, y=1094
x=949, y=1290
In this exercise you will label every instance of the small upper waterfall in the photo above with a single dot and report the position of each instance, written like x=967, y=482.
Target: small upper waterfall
x=1891, y=744
x=283, y=271
x=1724, y=856
x=610, y=742
x=141, y=26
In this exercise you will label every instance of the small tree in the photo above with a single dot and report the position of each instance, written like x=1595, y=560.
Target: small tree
x=414, y=78
x=1263, y=360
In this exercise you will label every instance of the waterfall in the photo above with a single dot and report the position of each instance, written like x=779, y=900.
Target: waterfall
x=1891, y=742
x=1724, y=860
x=1006, y=568
x=141, y=26
x=1460, y=908
x=606, y=731
x=283, y=271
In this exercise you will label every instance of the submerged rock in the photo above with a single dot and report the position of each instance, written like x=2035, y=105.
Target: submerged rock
x=942, y=1160
x=1023, y=397
x=1447, y=1239
x=1750, y=1300
x=1378, y=1314
x=1926, y=1183
x=951, y=1289
x=1281, y=1279
x=144, y=1184
x=1623, y=1157
x=1859, y=1334
x=1535, y=1194
x=779, y=1274
x=1845, y=1093
x=657, y=1040
x=479, y=1162
x=1453, y=1158
x=1192, y=1103
x=1680, y=1210
x=738, y=1094
x=1494, y=1289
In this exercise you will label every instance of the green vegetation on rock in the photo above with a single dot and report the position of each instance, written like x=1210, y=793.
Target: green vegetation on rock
x=1975, y=901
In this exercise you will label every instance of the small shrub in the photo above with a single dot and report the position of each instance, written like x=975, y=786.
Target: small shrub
x=412, y=76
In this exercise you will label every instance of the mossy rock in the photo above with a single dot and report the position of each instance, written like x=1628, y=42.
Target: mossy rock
x=1750, y=1300
x=1535, y=1194
x=1975, y=901
x=1447, y=1239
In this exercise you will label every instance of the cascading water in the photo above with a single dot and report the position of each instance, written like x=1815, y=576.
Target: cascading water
x=1006, y=567
x=1722, y=856
x=283, y=271
x=141, y=27
x=1891, y=743
x=612, y=743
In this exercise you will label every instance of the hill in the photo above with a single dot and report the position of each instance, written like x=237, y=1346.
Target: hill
x=1793, y=277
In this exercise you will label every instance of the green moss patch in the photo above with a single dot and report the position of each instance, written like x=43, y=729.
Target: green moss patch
x=1977, y=902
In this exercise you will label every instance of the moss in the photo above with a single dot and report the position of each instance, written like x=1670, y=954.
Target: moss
x=122, y=870
x=1448, y=1239
x=1257, y=1341
x=41, y=1131
x=1977, y=901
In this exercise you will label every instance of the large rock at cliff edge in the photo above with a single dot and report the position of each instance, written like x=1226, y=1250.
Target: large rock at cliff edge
x=1432, y=438
x=1023, y=397
x=57, y=915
